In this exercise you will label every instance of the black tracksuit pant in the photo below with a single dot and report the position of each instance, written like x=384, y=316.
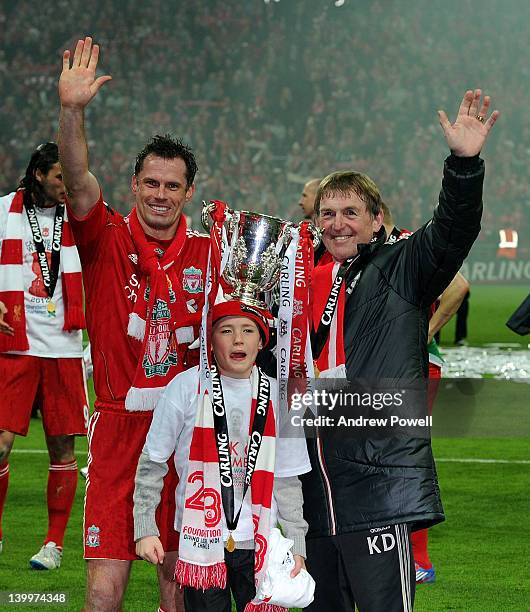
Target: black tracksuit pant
x=239, y=580
x=373, y=570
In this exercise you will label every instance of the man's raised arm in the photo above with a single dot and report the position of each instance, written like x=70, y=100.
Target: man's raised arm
x=450, y=301
x=436, y=251
x=77, y=86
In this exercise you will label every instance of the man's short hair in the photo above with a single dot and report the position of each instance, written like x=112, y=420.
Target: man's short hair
x=168, y=147
x=346, y=183
x=45, y=156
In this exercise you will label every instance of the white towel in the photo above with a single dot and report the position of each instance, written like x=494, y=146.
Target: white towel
x=277, y=587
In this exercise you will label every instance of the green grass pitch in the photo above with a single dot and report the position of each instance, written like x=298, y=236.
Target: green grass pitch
x=490, y=306
x=480, y=552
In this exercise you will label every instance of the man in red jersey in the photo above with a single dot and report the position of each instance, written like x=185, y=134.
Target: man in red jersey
x=41, y=342
x=144, y=279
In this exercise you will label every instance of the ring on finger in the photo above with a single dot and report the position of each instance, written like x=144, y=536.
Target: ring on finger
x=480, y=118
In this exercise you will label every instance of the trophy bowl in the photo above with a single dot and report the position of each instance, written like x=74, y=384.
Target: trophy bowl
x=256, y=245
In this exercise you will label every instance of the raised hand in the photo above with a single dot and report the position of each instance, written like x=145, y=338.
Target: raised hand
x=467, y=135
x=78, y=84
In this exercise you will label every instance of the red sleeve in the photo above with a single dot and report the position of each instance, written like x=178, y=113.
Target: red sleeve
x=89, y=229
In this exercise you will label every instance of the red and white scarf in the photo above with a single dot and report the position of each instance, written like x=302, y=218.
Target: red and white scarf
x=295, y=359
x=12, y=278
x=300, y=364
x=161, y=302
x=204, y=567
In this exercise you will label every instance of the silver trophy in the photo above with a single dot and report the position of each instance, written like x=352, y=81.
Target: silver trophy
x=256, y=245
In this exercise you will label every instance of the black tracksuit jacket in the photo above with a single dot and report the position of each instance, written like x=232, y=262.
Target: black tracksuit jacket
x=357, y=484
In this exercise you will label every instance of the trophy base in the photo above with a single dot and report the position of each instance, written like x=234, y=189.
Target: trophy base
x=248, y=297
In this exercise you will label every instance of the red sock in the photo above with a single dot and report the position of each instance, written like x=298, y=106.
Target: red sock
x=4, y=481
x=62, y=483
x=419, y=548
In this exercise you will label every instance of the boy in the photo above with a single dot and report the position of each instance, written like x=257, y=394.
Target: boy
x=201, y=437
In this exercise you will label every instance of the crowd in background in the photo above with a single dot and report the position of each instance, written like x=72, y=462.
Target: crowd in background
x=272, y=94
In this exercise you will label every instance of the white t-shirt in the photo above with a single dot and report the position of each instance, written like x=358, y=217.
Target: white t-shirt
x=44, y=325
x=172, y=429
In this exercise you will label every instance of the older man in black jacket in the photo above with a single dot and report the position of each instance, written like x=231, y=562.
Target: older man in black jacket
x=367, y=492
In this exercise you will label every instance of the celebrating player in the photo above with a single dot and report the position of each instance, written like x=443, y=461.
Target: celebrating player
x=41, y=315
x=143, y=276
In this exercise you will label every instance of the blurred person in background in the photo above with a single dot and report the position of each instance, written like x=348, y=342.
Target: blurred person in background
x=462, y=314
x=41, y=350
x=307, y=204
x=307, y=198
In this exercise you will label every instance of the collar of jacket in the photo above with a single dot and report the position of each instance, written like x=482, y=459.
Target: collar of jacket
x=367, y=251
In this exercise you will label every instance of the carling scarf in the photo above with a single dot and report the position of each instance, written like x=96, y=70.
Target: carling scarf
x=12, y=278
x=203, y=566
x=161, y=303
x=295, y=362
x=300, y=367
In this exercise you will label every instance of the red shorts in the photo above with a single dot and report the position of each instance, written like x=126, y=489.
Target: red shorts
x=116, y=440
x=56, y=386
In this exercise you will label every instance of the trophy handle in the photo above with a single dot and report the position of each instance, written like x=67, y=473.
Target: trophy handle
x=315, y=231
x=285, y=236
x=206, y=219
x=317, y=235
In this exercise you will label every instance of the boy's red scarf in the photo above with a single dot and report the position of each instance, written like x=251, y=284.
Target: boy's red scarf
x=161, y=303
x=12, y=278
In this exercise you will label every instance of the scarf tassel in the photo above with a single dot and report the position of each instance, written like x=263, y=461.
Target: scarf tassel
x=141, y=399
x=18, y=342
x=74, y=318
x=264, y=607
x=201, y=576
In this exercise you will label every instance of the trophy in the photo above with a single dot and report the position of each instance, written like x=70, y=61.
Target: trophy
x=256, y=245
